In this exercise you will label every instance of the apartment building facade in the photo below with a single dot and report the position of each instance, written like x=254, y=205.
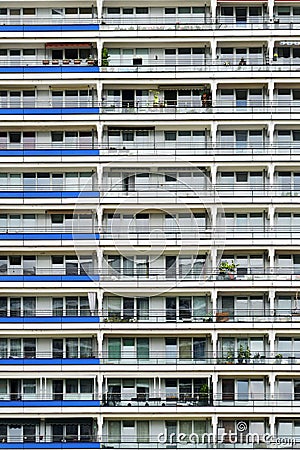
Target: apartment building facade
x=149, y=224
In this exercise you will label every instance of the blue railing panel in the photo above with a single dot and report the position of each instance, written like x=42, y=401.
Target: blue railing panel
x=52, y=361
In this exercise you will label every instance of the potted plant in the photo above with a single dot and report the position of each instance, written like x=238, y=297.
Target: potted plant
x=105, y=57
x=208, y=317
x=229, y=357
x=278, y=358
x=227, y=270
x=247, y=355
x=241, y=354
x=256, y=357
x=203, y=394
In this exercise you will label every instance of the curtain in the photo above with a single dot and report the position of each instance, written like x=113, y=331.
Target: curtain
x=185, y=348
x=92, y=302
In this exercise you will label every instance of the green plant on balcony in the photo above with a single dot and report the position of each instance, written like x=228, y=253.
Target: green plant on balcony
x=247, y=354
x=229, y=357
x=116, y=319
x=227, y=270
x=105, y=57
x=204, y=394
x=241, y=354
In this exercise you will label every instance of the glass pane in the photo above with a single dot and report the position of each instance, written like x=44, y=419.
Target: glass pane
x=114, y=348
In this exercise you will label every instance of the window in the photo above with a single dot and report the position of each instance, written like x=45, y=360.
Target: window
x=29, y=52
x=170, y=136
x=113, y=10
x=198, y=9
x=71, y=11
x=86, y=11
x=184, y=10
x=28, y=11
x=142, y=10
x=170, y=11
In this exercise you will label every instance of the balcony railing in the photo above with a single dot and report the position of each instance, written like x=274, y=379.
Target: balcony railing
x=227, y=358
x=193, y=316
x=91, y=65
x=220, y=107
x=50, y=275
x=148, y=275
x=152, y=357
x=185, y=189
x=157, y=399
x=145, y=275
x=157, y=148
x=207, y=66
x=152, y=316
x=199, y=400
x=125, y=108
x=203, y=233
x=48, y=397
x=54, y=441
x=190, y=23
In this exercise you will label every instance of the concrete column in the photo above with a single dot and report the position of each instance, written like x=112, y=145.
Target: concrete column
x=213, y=49
x=271, y=170
x=214, y=380
x=213, y=6
x=272, y=425
x=271, y=128
x=271, y=8
x=271, y=49
x=271, y=90
x=272, y=301
x=272, y=336
x=213, y=258
x=214, y=340
x=214, y=296
x=272, y=385
x=214, y=423
x=213, y=92
x=213, y=172
x=100, y=302
x=271, y=214
x=272, y=259
x=214, y=134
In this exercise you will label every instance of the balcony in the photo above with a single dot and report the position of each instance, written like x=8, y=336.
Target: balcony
x=207, y=275
x=23, y=24
x=47, y=191
x=49, y=400
x=253, y=362
x=245, y=194
x=162, y=399
x=44, y=233
x=185, y=234
x=47, y=358
x=212, y=66
x=188, y=23
x=156, y=399
x=49, y=316
x=192, y=316
x=149, y=149
x=40, y=107
x=265, y=108
x=49, y=66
